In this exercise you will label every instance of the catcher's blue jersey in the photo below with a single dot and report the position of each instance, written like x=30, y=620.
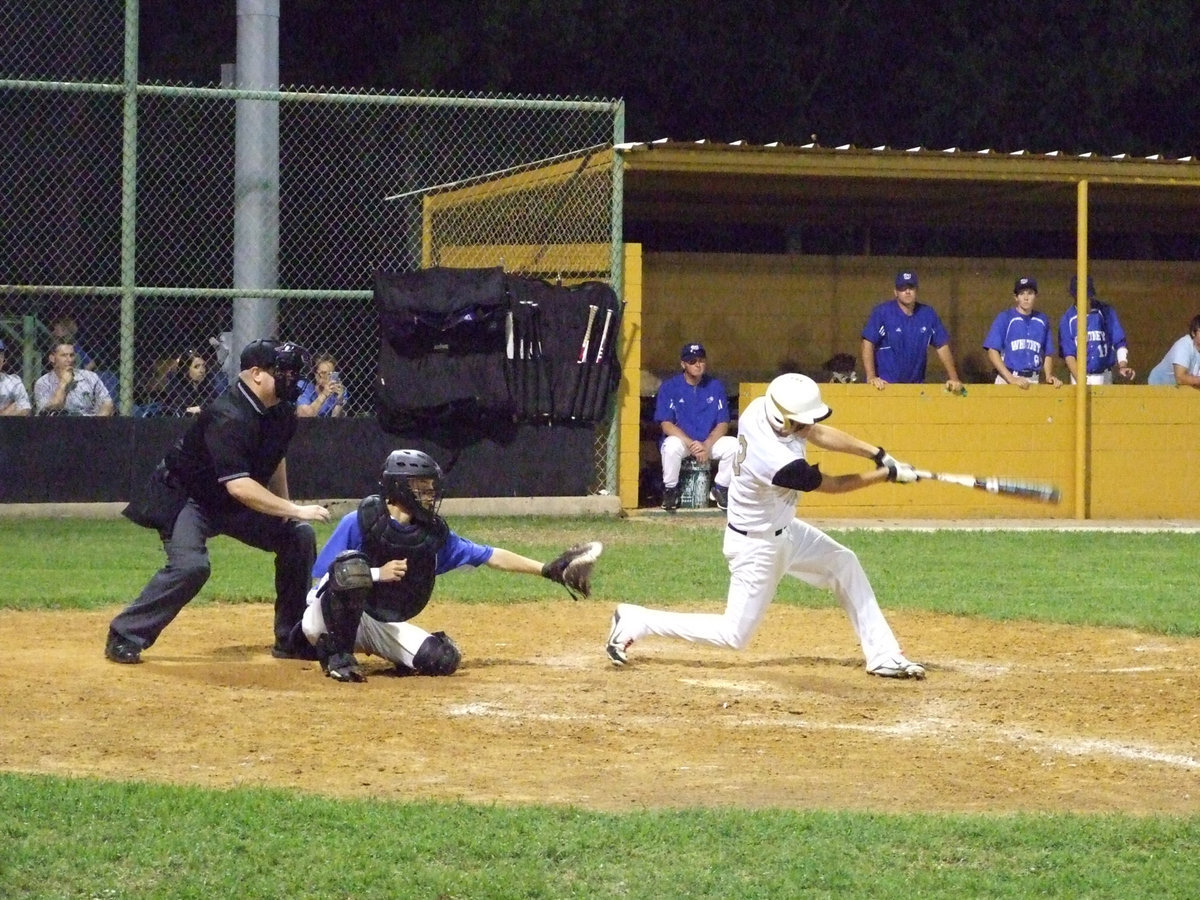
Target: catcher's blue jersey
x=457, y=552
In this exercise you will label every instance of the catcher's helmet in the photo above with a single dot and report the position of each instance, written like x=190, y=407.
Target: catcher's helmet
x=286, y=360
x=398, y=469
x=794, y=399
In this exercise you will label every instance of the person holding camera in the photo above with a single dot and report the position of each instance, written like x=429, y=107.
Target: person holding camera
x=68, y=391
x=325, y=395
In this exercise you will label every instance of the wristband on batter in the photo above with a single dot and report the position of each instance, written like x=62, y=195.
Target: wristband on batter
x=878, y=457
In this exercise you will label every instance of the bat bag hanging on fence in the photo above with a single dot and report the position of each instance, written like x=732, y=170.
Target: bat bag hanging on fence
x=463, y=348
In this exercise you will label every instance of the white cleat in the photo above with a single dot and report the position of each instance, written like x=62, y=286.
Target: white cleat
x=896, y=666
x=615, y=648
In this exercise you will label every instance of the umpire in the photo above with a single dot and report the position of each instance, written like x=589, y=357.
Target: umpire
x=228, y=475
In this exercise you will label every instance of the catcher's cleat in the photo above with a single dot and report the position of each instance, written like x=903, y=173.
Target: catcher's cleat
x=896, y=666
x=121, y=650
x=671, y=498
x=719, y=494
x=616, y=648
x=343, y=667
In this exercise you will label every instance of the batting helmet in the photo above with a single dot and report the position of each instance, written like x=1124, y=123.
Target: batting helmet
x=794, y=399
x=398, y=469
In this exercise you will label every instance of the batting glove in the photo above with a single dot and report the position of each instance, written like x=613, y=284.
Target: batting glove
x=902, y=473
x=885, y=460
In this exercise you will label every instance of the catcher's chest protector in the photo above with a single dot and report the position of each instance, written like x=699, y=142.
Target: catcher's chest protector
x=385, y=539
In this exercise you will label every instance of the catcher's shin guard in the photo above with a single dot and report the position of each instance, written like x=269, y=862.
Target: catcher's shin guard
x=342, y=601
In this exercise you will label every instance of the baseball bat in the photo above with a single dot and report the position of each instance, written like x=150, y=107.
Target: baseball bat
x=1012, y=487
x=604, y=335
x=587, y=333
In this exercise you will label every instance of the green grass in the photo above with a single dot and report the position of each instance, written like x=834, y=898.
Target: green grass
x=63, y=838
x=76, y=838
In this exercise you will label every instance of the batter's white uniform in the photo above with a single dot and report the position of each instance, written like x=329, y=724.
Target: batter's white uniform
x=763, y=542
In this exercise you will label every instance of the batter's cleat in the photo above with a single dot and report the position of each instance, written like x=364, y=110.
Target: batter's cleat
x=671, y=498
x=121, y=650
x=719, y=495
x=615, y=648
x=896, y=666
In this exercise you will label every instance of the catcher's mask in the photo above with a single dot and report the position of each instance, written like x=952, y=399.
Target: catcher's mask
x=285, y=360
x=413, y=481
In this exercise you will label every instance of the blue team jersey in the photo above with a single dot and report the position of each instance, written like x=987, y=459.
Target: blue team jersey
x=902, y=341
x=696, y=409
x=1104, y=336
x=457, y=552
x=1024, y=342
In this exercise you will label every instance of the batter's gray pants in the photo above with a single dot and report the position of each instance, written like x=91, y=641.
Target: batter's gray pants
x=175, y=584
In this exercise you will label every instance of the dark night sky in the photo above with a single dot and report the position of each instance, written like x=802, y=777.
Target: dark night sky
x=1082, y=76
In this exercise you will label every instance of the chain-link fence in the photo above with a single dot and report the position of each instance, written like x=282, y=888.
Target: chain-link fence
x=119, y=204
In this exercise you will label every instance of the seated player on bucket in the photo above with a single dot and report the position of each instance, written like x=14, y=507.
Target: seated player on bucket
x=378, y=568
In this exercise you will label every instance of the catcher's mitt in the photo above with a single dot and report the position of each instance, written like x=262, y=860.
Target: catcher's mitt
x=573, y=568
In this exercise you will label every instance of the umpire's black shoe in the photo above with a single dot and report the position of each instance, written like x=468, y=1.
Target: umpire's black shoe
x=306, y=652
x=121, y=650
x=671, y=498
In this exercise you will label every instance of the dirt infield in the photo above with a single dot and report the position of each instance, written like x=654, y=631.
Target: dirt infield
x=1012, y=717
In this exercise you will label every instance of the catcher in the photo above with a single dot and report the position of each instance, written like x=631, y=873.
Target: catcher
x=378, y=569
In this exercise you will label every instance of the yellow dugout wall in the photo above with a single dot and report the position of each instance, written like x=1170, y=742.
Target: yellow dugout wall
x=1142, y=444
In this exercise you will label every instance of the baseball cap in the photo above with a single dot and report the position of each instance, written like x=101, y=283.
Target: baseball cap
x=1091, y=287
x=906, y=279
x=1025, y=284
x=260, y=353
x=692, y=351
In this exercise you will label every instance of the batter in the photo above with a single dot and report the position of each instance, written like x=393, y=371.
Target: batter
x=765, y=541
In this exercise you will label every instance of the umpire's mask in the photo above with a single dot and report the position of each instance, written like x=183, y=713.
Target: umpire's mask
x=291, y=361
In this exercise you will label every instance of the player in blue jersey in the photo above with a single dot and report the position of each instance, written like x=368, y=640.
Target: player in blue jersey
x=378, y=568
x=1106, y=347
x=692, y=410
x=897, y=337
x=1020, y=343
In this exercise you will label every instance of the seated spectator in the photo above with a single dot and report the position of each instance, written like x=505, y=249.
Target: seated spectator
x=1020, y=343
x=1181, y=365
x=64, y=330
x=65, y=390
x=325, y=396
x=693, y=412
x=190, y=386
x=14, y=399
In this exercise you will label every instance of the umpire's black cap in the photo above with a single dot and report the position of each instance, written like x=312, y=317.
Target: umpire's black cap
x=260, y=353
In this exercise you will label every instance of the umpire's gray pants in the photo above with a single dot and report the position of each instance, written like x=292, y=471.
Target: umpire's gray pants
x=175, y=584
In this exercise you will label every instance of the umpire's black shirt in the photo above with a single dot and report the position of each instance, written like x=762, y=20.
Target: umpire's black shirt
x=235, y=436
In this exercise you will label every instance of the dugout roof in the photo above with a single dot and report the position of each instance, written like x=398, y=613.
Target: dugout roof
x=669, y=182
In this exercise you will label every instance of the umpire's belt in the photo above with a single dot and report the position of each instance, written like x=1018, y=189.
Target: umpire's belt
x=755, y=534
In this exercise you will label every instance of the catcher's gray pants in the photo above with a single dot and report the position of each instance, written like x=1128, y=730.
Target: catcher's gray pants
x=397, y=642
x=175, y=584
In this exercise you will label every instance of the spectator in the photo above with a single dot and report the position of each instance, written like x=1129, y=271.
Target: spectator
x=897, y=336
x=14, y=399
x=190, y=386
x=64, y=330
x=840, y=369
x=1105, y=339
x=324, y=396
x=1020, y=343
x=1181, y=365
x=66, y=390
x=692, y=410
